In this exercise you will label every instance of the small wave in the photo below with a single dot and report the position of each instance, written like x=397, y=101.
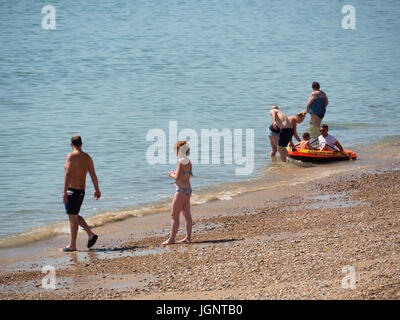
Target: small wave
x=43, y=232
x=333, y=125
x=275, y=174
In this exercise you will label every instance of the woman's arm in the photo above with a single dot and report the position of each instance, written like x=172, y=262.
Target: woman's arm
x=273, y=116
x=294, y=125
x=310, y=101
x=175, y=175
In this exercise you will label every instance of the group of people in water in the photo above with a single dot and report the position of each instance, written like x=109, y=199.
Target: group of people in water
x=281, y=132
x=284, y=128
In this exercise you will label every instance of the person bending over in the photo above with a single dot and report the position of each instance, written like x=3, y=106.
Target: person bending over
x=282, y=121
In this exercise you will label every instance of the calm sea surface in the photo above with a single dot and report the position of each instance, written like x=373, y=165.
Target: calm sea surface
x=113, y=70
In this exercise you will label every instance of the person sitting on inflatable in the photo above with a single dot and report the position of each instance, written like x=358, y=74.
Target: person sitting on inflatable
x=328, y=142
x=305, y=144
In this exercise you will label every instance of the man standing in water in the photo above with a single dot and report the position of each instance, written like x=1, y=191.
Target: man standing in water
x=316, y=105
x=282, y=121
x=77, y=165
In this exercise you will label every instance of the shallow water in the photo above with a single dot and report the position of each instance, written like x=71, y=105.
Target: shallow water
x=112, y=72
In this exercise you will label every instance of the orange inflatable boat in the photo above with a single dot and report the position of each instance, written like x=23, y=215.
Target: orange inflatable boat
x=320, y=156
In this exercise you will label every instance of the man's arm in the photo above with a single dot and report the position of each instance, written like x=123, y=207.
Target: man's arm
x=326, y=97
x=273, y=115
x=324, y=148
x=337, y=144
x=67, y=177
x=92, y=173
x=310, y=101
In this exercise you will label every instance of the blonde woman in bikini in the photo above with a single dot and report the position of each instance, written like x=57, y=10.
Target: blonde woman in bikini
x=181, y=201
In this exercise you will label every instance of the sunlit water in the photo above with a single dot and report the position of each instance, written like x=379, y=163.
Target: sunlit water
x=113, y=71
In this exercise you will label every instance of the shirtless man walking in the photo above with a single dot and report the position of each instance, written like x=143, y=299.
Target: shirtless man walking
x=282, y=121
x=77, y=165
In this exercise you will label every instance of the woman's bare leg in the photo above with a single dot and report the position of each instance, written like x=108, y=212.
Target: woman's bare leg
x=188, y=221
x=315, y=120
x=177, y=205
x=274, y=145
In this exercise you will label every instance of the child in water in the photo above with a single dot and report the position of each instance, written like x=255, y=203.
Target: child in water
x=181, y=201
x=305, y=144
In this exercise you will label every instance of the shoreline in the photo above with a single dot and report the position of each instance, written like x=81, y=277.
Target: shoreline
x=221, y=192
x=126, y=247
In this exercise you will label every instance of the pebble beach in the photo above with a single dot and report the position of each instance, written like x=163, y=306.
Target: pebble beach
x=303, y=245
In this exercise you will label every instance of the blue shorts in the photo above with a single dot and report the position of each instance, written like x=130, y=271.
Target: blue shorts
x=272, y=134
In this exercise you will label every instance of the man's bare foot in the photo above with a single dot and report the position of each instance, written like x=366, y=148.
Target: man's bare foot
x=185, y=240
x=167, y=242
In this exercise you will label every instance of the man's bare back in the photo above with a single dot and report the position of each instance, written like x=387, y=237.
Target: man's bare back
x=78, y=163
x=280, y=119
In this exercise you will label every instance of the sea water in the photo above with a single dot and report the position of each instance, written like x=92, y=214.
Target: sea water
x=112, y=71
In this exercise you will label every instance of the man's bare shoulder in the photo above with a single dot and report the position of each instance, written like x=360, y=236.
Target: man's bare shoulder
x=70, y=156
x=87, y=156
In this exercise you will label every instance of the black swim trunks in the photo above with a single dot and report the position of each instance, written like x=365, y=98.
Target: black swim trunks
x=74, y=202
x=284, y=137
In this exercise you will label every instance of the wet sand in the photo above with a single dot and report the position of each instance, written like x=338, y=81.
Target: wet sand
x=291, y=241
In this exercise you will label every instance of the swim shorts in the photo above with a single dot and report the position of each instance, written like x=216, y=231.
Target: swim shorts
x=74, y=202
x=284, y=137
x=318, y=107
x=272, y=132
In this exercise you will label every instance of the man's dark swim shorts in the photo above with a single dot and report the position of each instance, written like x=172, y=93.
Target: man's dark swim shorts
x=284, y=137
x=74, y=202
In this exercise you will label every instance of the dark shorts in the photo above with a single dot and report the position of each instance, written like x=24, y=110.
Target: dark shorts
x=74, y=202
x=284, y=137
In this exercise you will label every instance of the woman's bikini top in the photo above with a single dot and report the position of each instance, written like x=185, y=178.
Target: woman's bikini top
x=187, y=172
